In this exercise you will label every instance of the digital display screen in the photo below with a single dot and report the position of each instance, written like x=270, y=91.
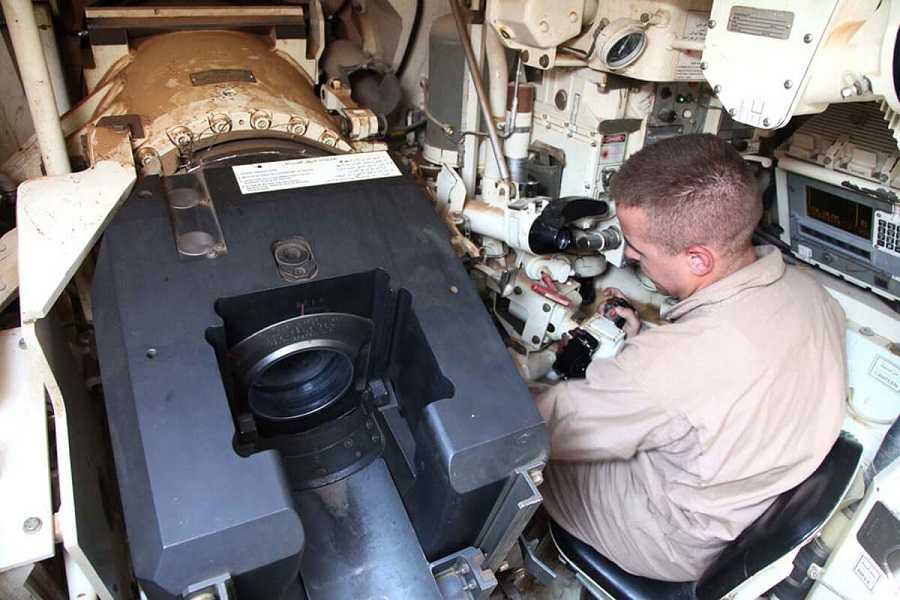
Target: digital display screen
x=852, y=217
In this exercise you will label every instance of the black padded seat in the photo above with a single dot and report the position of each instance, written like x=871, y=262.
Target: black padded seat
x=605, y=574
x=791, y=521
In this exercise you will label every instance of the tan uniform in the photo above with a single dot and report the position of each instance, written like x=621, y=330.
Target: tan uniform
x=664, y=454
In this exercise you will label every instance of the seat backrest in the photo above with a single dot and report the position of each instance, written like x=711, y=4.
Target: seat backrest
x=791, y=521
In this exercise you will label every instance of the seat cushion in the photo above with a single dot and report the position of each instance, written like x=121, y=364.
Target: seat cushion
x=606, y=575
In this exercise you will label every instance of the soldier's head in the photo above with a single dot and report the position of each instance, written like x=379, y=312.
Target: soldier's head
x=688, y=207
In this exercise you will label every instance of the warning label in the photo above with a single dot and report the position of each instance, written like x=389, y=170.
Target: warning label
x=307, y=172
x=688, y=66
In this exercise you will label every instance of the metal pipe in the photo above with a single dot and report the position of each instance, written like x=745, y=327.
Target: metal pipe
x=26, y=42
x=498, y=73
x=475, y=74
x=51, y=55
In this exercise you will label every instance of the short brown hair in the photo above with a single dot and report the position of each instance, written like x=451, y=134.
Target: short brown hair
x=695, y=189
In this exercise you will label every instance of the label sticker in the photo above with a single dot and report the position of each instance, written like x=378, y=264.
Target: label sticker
x=867, y=572
x=761, y=22
x=886, y=372
x=687, y=68
x=307, y=172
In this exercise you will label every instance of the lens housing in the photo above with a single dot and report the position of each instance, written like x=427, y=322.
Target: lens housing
x=300, y=384
x=621, y=43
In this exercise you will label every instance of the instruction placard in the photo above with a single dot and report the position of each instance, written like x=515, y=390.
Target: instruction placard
x=307, y=172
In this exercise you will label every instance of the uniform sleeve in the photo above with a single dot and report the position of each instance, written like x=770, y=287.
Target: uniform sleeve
x=606, y=416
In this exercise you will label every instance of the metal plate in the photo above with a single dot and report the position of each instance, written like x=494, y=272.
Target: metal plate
x=27, y=526
x=222, y=76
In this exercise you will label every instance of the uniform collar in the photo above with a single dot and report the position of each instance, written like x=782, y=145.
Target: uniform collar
x=765, y=270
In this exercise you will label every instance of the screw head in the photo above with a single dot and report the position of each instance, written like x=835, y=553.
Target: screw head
x=544, y=61
x=32, y=525
x=525, y=56
x=717, y=88
x=260, y=119
x=535, y=339
x=22, y=344
x=703, y=66
x=732, y=112
x=808, y=38
x=546, y=307
x=454, y=289
x=788, y=84
x=297, y=126
x=711, y=24
x=765, y=122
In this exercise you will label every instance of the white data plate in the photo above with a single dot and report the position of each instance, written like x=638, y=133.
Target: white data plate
x=307, y=172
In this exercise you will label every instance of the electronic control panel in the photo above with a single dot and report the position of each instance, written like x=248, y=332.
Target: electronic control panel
x=678, y=108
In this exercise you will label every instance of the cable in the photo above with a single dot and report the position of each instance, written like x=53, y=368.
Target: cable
x=411, y=40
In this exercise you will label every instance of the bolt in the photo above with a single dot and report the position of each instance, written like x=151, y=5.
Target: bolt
x=546, y=308
x=260, y=119
x=297, y=126
x=717, y=88
x=181, y=136
x=765, y=122
x=711, y=24
x=537, y=477
x=544, y=61
x=146, y=156
x=525, y=56
x=151, y=353
x=32, y=525
x=849, y=91
x=535, y=339
x=219, y=123
x=645, y=17
x=732, y=112
x=703, y=66
x=454, y=289
x=808, y=38
x=517, y=291
x=788, y=84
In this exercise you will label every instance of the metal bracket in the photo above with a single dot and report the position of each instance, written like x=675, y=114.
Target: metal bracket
x=462, y=576
x=130, y=123
x=534, y=565
x=513, y=510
